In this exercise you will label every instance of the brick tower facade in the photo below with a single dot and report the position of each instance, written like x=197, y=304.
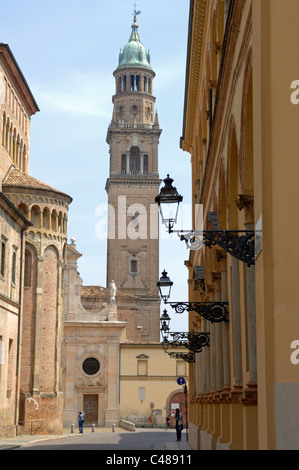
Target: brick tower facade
x=133, y=183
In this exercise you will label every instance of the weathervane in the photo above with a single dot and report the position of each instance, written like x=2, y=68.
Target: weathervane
x=135, y=10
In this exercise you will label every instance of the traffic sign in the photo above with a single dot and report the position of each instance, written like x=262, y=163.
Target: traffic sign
x=181, y=381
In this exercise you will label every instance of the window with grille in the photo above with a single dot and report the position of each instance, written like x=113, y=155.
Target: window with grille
x=145, y=164
x=134, y=268
x=123, y=164
x=135, y=161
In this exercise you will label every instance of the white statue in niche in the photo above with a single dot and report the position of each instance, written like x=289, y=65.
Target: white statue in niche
x=113, y=290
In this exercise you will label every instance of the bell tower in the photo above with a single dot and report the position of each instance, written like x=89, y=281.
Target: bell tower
x=133, y=138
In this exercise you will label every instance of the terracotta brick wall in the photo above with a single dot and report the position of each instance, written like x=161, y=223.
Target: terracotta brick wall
x=49, y=308
x=29, y=321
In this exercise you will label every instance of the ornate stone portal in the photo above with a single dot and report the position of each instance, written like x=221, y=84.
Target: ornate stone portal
x=91, y=352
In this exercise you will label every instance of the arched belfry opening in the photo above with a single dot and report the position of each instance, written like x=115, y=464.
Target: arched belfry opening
x=135, y=161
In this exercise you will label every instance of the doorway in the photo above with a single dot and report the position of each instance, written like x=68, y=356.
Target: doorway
x=178, y=400
x=90, y=408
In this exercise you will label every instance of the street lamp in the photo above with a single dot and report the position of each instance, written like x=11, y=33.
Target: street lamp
x=169, y=198
x=164, y=285
x=165, y=319
x=192, y=341
x=238, y=243
x=214, y=312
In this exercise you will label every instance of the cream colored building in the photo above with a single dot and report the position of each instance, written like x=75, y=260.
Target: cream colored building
x=148, y=384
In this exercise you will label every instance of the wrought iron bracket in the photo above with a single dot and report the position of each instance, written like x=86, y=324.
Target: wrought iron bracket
x=238, y=243
x=187, y=357
x=214, y=312
x=193, y=341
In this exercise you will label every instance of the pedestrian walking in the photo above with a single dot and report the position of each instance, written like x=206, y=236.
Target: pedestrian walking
x=167, y=423
x=179, y=424
x=81, y=421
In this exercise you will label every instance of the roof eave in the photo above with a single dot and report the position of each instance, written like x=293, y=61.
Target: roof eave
x=17, y=73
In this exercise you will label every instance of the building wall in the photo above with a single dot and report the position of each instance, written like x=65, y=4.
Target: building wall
x=148, y=381
x=16, y=107
x=224, y=388
x=246, y=387
x=11, y=227
x=41, y=401
x=275, y=154
x=15, y=124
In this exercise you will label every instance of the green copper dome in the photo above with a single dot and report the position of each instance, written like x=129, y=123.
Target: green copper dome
x=134, y=53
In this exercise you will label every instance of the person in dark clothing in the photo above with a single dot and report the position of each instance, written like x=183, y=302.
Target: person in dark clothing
x=167, y=423
x=178, y=424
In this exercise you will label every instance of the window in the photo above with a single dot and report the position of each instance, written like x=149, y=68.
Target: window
x=14, y=267
x=135, y=161
x=145, y=164
x=91, y=366
x=123, y=164
x=134, y=266
x=1, y=351
x=142, y=367
x=3, y=249
x=10, y=374
x=141, y=393
x=181, y=368
x=27, y=269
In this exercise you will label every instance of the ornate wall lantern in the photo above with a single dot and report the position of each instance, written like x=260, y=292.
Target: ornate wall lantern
x=238, y=243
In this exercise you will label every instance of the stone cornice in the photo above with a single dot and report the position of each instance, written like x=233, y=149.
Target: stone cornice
x=194, y=54
x=133, y=181
x=118, y=130
x=16, y=76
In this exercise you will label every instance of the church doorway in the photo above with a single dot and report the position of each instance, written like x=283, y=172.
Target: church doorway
x=90, y=408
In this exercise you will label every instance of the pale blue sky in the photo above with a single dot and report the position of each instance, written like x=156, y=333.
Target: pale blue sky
x=67, y=51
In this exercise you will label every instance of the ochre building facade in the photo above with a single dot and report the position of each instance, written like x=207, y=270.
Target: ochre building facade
x=241, y=129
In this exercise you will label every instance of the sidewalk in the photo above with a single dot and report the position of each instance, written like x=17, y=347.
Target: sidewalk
x=11, y=443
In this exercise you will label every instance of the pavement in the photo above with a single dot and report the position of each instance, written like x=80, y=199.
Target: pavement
x=168, y=443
